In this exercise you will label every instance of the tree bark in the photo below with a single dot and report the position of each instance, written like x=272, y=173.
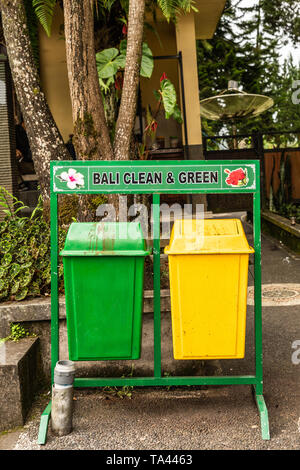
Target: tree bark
x=91, y=135
x=127, y=112
x=91, y=132
x=44, y=137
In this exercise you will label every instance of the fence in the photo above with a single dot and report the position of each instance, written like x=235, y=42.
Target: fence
x=279, y=153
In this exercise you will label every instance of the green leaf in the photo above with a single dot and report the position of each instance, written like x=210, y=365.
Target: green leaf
x=14, y=270
x=123, y=46
x=169, y=98
x=3, y=272
x=43, y=249
x=5, y=245
x=3, y=226
x=21, y=294
x=157, y=95
x=26, y=265
x=15, y=288
x=34, y=289
x=3, y=294
x=23, y=254
x=171, y=8
x=147, y=63
x=46, y=275
x=106, y=65
x=6, y=260
x=177, y=114
x=44, y=10
x=27, y=275
x=6, y=237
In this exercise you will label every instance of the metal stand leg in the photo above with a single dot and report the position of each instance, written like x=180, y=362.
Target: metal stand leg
x=263, y=412
x=42, y=437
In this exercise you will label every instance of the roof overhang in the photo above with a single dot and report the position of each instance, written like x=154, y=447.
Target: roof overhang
x=207, y=17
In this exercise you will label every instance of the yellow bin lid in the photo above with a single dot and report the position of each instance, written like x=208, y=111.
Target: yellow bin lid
x=194, y=236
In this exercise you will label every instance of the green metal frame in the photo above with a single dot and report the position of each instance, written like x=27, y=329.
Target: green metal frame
x=256, y=380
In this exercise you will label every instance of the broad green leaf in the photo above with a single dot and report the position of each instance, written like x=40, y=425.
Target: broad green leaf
x=106, y=65
x=14, y=270
x=6, y=260
x=123, y=46
x=168, y=96
x=21, y=294
x=27, y=275
x=157, y=94
x=177, y=114
x=34, y=289
x=4, y=246
x=15, y=288
x=43, y=249
x=147, y=62
x=120, y=61
x=3, y=272
x=3, y=226
x=6, y=237
x=26, y=265
x=23, y=254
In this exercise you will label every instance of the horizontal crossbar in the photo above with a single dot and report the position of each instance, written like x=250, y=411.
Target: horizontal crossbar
x=164, y=381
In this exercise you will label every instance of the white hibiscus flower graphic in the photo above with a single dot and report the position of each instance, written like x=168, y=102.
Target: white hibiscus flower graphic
x=72, y=177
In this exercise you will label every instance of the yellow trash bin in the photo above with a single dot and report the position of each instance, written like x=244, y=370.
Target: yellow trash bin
x=208, y=265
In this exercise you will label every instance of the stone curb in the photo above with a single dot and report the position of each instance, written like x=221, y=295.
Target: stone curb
x=39, y=309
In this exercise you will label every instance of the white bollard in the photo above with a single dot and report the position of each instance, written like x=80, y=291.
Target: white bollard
x=62, y=398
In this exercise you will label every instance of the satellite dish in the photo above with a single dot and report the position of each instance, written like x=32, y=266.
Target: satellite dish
x=233, y=104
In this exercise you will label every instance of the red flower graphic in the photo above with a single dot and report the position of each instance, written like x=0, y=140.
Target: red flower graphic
x=236, y=177
x=163, y=77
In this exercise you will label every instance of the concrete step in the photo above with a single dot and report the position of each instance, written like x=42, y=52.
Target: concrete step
x=36, y=314
x=18, y=380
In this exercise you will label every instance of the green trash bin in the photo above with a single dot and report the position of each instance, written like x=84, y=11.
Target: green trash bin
x=104, y=277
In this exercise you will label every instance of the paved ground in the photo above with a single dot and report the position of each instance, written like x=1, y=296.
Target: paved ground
x=192, y=418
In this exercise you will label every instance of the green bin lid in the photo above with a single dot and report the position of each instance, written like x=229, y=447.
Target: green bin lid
x=105, y=239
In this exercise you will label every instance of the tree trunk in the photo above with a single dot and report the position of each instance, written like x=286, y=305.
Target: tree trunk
x=91, y=135
x=91, y=132
x=44, y=137
x=127, y=112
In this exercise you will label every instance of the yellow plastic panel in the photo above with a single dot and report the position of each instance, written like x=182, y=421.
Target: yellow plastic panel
x=209, y=292
x=208, y=236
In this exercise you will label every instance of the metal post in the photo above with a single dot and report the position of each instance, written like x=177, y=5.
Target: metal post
x=54, y=285
x=156, y=285
x=258, y=388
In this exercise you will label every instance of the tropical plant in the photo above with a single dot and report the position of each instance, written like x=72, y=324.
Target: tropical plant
x=167, y=99
x=44, y=137
x=172, y=8
x=281, y=198
x=24, y=251
x=44, y=10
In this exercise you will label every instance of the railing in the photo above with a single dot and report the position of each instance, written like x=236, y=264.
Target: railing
x=267, y=141
x=279, y=153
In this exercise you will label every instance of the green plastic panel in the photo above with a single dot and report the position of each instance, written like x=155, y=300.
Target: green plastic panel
x=104, y=296
x=105, y=239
